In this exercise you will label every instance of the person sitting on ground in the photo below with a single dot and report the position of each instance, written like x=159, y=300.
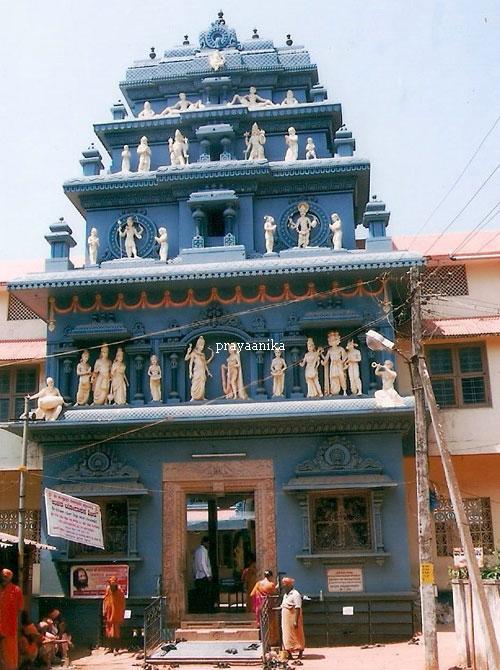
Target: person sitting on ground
x=29, y=643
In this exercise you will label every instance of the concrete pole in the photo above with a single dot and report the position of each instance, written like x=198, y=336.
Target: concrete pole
x=485, y=617
x=21, y=518
x=425, y=527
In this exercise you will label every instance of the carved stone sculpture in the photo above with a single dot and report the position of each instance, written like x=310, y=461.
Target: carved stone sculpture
x=269, y=228
x=93, y=245
x=144, y=153
x=353, y=359
x=101, y=378
x=83, y=372
x=303, y=225
x=126, y=157
x=50, y=402
x=182, y=105
x=289, y=99
x=311, y=362
x=310, y=149
x=278, y=367
x=216, y=60
x=130, y=233
x=162, y=240
x=154, y=374
x=336, y=230
x=387, y=396
x=119, y=381
x=232, y=375
x=147, y=112
x=292, y=142
x=251, y=99
x=254, y=143
x=334, y=361
x=178, y=149
x=198, y=368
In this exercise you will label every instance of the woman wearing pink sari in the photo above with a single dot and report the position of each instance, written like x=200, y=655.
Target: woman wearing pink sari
x=261, y=591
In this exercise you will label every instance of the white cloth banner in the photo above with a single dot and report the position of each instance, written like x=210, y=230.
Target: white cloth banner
x=73, y=519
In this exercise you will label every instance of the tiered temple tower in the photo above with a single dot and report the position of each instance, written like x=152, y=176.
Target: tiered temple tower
x=228, y=215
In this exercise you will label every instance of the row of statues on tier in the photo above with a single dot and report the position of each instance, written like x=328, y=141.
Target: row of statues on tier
x=130, y=231
x=108, y=383
x=250, y=99
x=178, y=149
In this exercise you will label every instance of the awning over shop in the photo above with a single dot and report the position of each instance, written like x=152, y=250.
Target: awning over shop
x=464, y=327
x=7, y=539
x=22, y=350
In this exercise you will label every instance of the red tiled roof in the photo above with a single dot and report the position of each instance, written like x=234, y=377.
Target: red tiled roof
x=480, y=244
x=465, y=327
x=20, y=350
x=18, y=268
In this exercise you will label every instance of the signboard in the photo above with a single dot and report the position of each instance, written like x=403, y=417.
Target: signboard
x=73, y=519
x=426, y=573
x=90, y=581
x=345, y=580
x=459, y=560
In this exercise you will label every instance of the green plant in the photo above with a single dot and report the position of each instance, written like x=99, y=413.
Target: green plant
x=490, y=571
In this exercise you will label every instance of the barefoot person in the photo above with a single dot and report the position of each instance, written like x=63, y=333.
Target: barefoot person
x=113, y=612
x=292, y=626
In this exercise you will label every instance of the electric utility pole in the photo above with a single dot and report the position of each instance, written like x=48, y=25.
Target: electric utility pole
x=21, y=518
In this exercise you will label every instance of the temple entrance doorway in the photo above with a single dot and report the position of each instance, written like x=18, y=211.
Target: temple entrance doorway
x=235, y=501
x=221, y=541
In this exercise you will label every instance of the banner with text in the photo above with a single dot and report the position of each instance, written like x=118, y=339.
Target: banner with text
x=73, y=519
x=91, y=581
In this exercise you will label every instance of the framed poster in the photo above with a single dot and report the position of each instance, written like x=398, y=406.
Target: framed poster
x=90, y=581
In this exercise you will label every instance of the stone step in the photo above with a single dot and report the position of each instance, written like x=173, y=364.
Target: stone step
x=217, y=633
x=219, y=623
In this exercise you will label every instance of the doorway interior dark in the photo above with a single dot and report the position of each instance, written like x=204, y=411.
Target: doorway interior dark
x=229, y=522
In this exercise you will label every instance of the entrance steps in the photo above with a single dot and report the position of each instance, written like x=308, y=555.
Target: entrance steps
x=217, y=627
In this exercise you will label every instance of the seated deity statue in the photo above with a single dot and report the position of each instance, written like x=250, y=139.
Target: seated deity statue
x=182, y=105
x=310, y=149
x=289, y=99
x=50, y=402
x=147, y=112
x=251, y=99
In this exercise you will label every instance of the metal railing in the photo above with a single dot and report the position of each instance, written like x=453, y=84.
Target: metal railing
x=154, y=624
x=268, y=623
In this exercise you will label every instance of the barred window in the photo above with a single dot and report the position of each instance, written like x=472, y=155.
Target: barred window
x=478, y=512
x=341, y=522
x=445, y=280
x=15, y=383
x=459, y=374
x=115, y=531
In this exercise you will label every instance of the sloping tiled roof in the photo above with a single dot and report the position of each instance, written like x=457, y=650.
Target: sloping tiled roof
x=465, y=327
x=20, y=350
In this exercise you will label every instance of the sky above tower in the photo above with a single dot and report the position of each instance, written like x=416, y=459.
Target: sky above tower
x=419, y=85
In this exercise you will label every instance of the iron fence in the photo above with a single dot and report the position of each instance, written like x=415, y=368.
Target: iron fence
x=154, y=625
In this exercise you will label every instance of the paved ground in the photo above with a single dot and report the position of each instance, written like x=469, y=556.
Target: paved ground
x=401, y=656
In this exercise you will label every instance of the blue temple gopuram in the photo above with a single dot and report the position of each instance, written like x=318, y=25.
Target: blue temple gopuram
x=211, y=352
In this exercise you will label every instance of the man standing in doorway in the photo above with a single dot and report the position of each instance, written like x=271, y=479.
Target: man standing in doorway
x=203, y=577
x=11, y=603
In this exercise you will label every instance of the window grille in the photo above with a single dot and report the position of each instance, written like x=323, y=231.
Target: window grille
x=115, y=531
x=18, y=311
x=341, y=522
x=445, y=280
x=478, y=512
x=9, y=520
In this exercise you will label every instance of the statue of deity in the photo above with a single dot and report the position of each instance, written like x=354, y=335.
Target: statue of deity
x=178, y=149
x=251, y=99
x=147, y=112
x=387, y=396
x=254, y=143
x=126, y=157
x=303, y=225
x=93, y=245
x=232, y=375
x=336, y=230
x=144, y=153
x=310, y=149
x=289, y=99
x=334, y=363
x=292, y=142
x=311, y=362
x=154, y=374
x=198, y=368
x=50, y=402
x=182, y=105
x=162, y=240
x=130, y=233
x=119, y=381
x=278, y=367
x=216, y=60
x=100, y=378
x=83, y=372
x=269, y=229
x=353, y=359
